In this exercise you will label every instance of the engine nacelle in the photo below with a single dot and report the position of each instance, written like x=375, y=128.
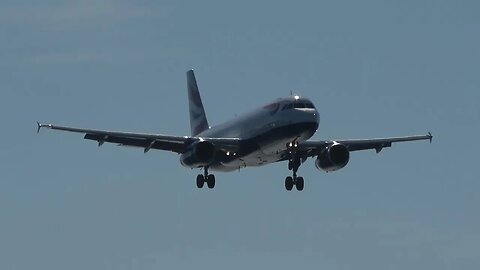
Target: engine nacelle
x=333, y=158
x=200, y=154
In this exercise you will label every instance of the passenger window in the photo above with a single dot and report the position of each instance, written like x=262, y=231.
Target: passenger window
x=299, y=105
x=309, y=105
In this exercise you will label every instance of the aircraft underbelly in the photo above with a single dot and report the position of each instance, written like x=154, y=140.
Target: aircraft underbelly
x=269, y=147
x=259, y=158
x=274, y=148
x=256, y=158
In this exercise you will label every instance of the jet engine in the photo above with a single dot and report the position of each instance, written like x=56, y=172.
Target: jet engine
x=332, y=158
x=201, y=153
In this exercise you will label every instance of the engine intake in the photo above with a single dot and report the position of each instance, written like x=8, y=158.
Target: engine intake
x=332, y=158
x=200, y=154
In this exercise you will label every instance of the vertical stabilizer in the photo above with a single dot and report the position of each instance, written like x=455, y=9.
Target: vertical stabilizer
x=198, y=119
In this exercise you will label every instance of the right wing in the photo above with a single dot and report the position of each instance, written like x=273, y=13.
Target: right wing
x=313, y=148
x=177, y=144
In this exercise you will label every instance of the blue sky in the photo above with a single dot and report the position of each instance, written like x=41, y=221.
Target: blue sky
x=373, y=69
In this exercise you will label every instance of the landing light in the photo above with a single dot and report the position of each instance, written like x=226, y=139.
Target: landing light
x=293, y=144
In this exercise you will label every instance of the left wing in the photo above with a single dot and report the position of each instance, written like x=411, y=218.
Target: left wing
x=177, y=144
x=313, y=148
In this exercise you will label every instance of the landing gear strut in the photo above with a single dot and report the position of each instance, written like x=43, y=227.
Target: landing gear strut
x=297, y=181
x=206, y=178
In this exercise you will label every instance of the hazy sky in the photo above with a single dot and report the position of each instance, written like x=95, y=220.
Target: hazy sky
x=373, y=69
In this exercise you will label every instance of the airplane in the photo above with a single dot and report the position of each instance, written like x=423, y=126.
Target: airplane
x=277, y=131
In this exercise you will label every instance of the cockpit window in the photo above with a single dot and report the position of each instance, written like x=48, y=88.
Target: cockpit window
x=287, y=106
x=299, y=105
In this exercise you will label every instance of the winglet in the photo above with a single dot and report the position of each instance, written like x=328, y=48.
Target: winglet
x=430, y=137
x=40, y=125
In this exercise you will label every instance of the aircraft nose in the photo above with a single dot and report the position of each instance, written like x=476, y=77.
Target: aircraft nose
x=311, y=116
x=314, y=116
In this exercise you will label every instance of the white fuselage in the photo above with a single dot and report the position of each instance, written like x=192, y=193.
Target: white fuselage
x=266, y=132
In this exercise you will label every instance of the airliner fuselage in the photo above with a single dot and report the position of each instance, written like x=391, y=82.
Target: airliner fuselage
x=265, y=133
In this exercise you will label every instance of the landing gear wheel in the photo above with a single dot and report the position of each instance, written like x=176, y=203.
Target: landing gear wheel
x=293, y=164
x=211, y=181
x=299, y=184
x=289, y=183
x=200, y=181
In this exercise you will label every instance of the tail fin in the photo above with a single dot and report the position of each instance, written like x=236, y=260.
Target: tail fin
x=198, y=120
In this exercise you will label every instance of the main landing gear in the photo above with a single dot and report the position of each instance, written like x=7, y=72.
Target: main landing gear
x=206, y=178
x=294, y=180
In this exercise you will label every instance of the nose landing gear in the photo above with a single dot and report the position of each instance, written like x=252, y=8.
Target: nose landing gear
x=297, y=181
